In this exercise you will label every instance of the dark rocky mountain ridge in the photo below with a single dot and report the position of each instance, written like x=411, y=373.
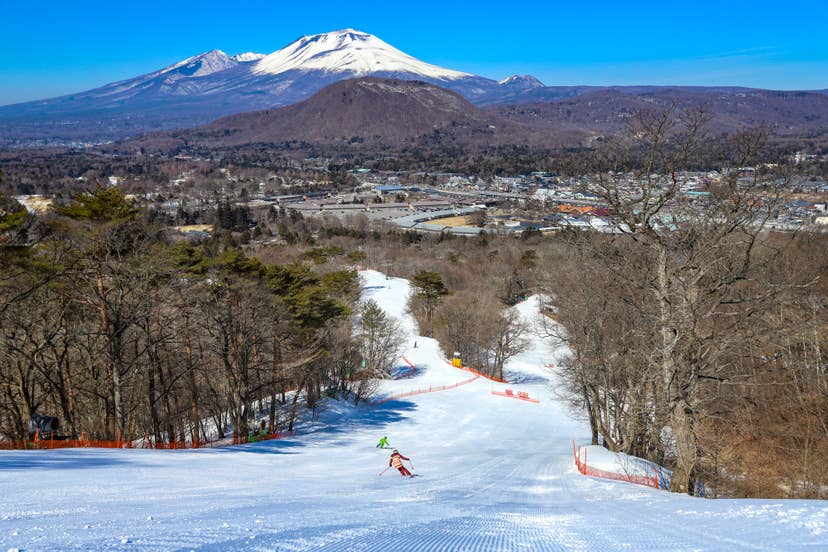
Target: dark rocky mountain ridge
x=395, y=112
x=786, y=114
x=379, y=111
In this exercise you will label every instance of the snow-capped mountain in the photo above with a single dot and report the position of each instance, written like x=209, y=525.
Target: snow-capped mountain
x=204, y=87
x=525, y=82
x=349, y=51
x=202, y=64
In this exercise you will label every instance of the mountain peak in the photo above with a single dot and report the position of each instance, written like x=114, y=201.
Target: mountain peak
x=201, y=65
x=522, y=81
x=372, y=108
x=351, y=52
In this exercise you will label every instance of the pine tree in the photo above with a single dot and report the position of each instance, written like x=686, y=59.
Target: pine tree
x=104, y=217
x=430, y=290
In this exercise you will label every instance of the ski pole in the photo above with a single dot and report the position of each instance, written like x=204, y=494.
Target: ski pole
x=385, y=470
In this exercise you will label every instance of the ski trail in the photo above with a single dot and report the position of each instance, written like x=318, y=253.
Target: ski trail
x=495, y=474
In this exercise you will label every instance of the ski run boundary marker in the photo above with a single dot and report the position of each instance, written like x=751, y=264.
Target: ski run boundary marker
x=430, y=389
x=87, y=441
x=520, y=395
x=585, y=469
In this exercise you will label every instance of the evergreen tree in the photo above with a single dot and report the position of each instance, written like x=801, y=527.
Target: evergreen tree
x=430, y=290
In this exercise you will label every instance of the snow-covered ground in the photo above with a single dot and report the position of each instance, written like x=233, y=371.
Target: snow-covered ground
x=496, y=474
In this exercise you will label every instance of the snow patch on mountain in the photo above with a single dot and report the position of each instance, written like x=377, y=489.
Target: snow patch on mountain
x=348, y=51
x=201, y=65
x=247, y=56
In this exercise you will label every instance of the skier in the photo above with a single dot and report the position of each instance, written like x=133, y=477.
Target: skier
x=396, y=462
x=383, y=443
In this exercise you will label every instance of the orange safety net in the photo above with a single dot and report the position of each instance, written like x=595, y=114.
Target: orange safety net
x=86, y=441
x=430, y=389
x=521, y=395
x=481, y=374
x=585, y=469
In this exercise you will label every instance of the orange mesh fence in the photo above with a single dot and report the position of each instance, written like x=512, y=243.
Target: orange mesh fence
x=521, y=395
x=86, y=441
x=430, y=389
x=411, y=372
x=481, y=374
x=243, y=439
x=585, y=469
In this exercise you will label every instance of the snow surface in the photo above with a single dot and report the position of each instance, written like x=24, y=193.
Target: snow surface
x=201, y=65
x=194, y=67
x=495, y=474
x=248, y=56
x=348, y=51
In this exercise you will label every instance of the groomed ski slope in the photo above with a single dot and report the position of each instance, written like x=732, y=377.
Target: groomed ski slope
x=496, y=474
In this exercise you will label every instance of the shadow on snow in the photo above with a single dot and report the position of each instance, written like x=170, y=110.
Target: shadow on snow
x=59, y=459
x=334, y=424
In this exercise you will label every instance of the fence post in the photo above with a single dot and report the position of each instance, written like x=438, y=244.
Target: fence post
x=655, y=477
x=575, y=456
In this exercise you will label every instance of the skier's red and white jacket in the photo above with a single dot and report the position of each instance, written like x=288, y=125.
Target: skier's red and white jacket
x=396, y=460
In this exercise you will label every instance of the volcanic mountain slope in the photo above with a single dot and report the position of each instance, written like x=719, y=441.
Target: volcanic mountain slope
x=373, y=110
x=199, y=89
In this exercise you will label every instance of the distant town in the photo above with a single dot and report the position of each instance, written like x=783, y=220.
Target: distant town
x=438, y=202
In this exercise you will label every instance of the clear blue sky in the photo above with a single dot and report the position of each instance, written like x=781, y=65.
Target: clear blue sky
x=49, y=48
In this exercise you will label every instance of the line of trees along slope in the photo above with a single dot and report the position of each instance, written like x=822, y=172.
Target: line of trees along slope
x=684, y=331
x=109, y=325
x=473, y=323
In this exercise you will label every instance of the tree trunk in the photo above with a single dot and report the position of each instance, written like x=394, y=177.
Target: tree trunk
x=681, y=415
x=277, y=358
x=593, y=422
x=293, y=406
x=168, y=419
x=682, y=421
x=152, y=398
x=117, y=398
x=188, y=355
